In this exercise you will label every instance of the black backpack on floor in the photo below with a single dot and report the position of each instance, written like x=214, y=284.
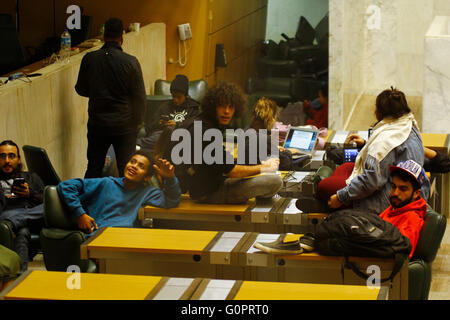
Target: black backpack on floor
x=359, y=233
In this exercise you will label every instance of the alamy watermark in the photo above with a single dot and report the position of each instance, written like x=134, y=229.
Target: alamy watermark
x=74, y=280
x=74, y=20
x=374, y=280
x=191, y=149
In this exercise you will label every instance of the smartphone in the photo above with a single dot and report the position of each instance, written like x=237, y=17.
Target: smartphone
x=18, y=182
x=350, y=155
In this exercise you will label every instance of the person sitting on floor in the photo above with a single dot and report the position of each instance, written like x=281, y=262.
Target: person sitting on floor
x=224, y=181
x=264, y=115
x=114, y=202
x=365, y=183
x=171, y=113
x=23, y=199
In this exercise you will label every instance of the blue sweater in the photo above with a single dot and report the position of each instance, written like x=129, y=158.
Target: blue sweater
x=111, y=204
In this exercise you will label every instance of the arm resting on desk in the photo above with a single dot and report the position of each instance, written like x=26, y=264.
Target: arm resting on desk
x=167, y=197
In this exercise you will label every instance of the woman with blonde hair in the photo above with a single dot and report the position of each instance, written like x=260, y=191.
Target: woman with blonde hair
x=263, y=117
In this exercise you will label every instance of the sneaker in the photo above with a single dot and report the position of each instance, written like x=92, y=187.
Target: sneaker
x=311, y=205
x=279, y=247
x=307, y=242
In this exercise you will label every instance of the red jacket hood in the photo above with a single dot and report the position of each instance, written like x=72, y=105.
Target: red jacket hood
x=419, y=207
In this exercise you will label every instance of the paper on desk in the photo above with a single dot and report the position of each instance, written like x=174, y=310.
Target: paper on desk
x=318, y=155
x=340, y=137
x=174, y=289
x=217, y=289
x=261, y=209
x=179, y=282
x=299, y=176
x=292, y=208
x=227, y=242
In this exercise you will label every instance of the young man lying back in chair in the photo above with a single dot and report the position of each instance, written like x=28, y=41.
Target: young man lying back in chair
x=114, y=202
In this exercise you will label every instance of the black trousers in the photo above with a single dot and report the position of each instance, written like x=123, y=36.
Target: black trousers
x=98, y=145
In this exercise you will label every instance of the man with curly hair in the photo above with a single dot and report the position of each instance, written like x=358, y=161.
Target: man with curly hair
x=225, y=182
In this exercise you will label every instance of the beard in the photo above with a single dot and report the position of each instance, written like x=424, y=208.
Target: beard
x=403, y=203
x=7, y=176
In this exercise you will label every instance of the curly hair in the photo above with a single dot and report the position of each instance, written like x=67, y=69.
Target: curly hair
x=222, y=94
x=392, y=103
x=264, y=114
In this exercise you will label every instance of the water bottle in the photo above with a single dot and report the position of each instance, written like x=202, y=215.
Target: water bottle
x=66, y=46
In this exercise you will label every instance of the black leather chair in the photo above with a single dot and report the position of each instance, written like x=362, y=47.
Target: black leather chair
x=309, y=60
x=61, y=238
x=278, y=89
x=197, y=88
x=12, y=55
x=419, y=269
x=38, y=162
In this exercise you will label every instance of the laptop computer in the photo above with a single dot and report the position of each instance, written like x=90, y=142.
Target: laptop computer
x=302, y=139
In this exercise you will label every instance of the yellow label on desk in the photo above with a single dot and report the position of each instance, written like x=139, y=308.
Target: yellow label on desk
x=89, y=286
x=152, y=240
x=252, y=290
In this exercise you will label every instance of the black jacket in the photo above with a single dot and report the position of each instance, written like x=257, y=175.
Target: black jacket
x=202, y=178
x=2, y=200
x=112, y=80
x=190, y=108
x=36, y=193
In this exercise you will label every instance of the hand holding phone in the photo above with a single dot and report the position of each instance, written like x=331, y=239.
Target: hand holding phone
x=18, y=182
x=20, y=188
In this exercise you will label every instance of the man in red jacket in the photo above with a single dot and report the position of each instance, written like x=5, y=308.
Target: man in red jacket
x=408, y=208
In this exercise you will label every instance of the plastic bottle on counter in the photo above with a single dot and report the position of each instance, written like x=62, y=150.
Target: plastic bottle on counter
x=66, y=46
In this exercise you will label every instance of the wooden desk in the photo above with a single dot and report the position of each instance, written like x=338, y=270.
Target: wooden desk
x=278, y=216
x=224, y=255
x=258, y=290
x=152, y=251
x=47, y=285
x=315, y=268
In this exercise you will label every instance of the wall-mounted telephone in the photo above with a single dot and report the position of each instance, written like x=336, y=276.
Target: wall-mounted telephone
x=184, y=31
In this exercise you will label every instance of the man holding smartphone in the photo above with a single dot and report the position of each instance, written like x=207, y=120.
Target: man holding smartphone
x=22, y=193
x=172, y=113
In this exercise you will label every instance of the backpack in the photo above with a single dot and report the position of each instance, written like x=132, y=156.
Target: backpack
x=351, y=232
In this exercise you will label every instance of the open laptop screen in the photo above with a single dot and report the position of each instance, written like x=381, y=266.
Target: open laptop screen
x=301, y=139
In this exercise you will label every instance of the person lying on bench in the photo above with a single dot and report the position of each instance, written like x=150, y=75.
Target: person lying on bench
x=114, y=202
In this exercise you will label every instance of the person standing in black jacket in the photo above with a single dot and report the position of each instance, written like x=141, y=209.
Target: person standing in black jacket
x=172, y=113
x=23, y=199
x=113, y=82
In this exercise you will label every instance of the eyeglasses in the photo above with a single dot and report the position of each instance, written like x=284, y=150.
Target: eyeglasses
x=11, y=156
